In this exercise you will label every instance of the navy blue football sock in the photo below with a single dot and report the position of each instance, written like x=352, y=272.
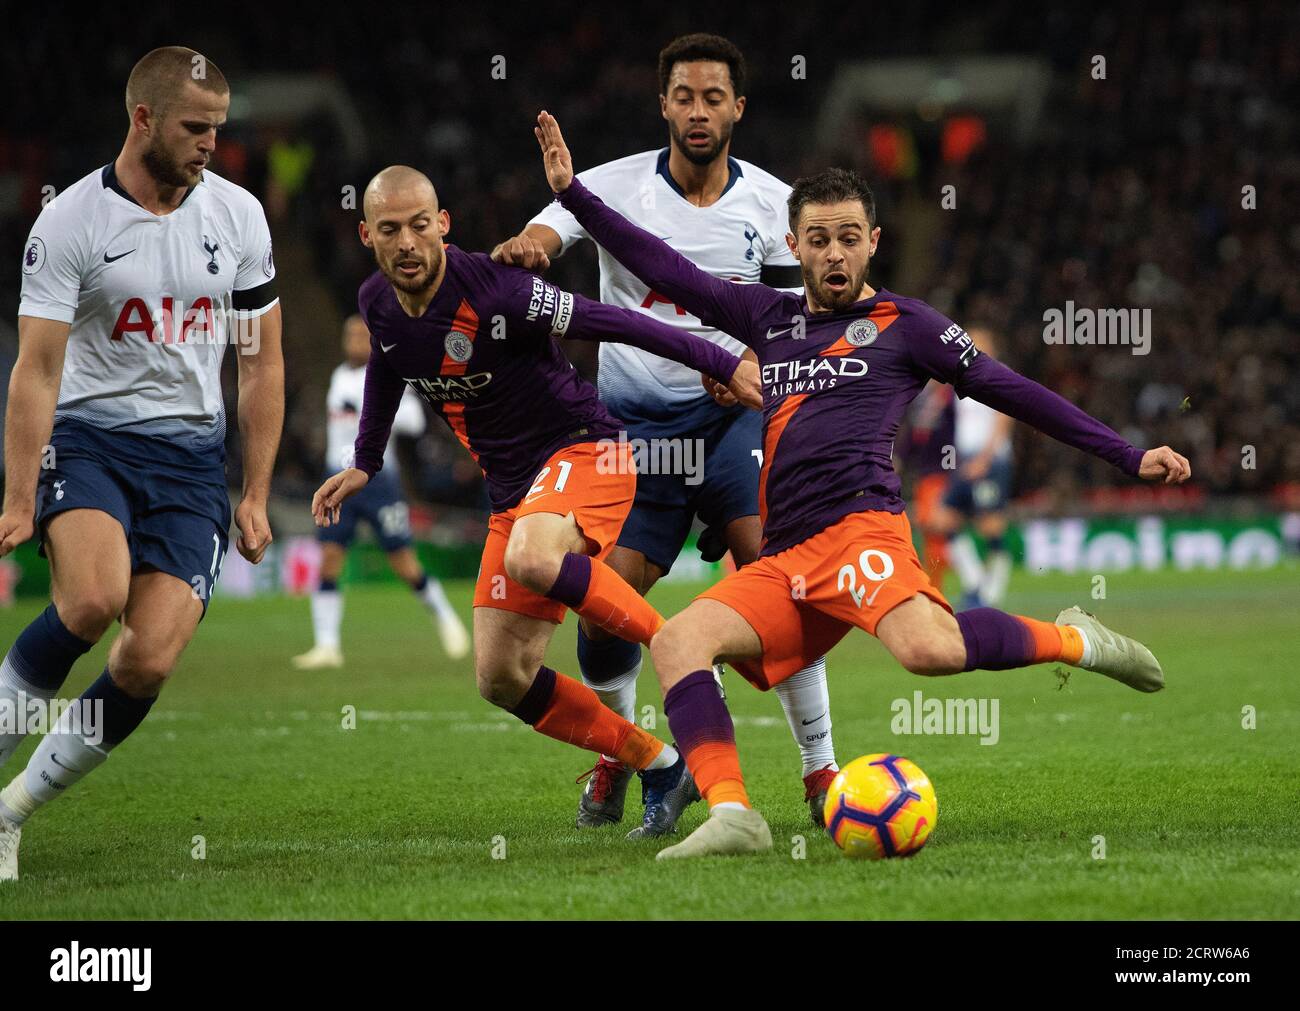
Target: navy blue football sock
x=42, y=655
x=122, y=713
x=610, y=668
x=605, y=660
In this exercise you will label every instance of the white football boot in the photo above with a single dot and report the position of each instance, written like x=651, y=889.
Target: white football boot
x=451, y=630
x=1117, y=656
x=319, y=657
x=726, y=831
x=9, y=836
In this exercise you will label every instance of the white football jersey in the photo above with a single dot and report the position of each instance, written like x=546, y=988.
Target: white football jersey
x=151, y=299
x=346, y=392
x=974, y=432
x=741, y=237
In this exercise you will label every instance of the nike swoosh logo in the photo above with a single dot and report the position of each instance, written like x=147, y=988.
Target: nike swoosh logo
x=55, y=759
x=387, y=347
x=110, y=259
x=809, y=723
x=872, y=599
x=772, y=334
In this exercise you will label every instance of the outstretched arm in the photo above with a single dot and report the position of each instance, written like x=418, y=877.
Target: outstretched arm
x=598, y=321
x=544, y=312
x=728, y=306
x=944, y=351
x=992, y=383
x=382, y=396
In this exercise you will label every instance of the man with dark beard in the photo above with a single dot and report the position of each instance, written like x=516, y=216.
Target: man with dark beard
x=728, y=217
x=134, y=280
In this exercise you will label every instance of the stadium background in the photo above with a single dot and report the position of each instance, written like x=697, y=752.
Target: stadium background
x=1121, y=192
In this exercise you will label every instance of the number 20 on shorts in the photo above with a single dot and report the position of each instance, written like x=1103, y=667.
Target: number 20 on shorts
x=876, y=566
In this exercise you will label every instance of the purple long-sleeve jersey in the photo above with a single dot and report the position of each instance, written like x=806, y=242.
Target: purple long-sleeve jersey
x=484, y=356
x=836, y=384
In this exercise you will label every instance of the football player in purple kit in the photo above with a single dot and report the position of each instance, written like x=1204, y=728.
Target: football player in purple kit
x=477, y=340
x=839, y=367
x=727, y=215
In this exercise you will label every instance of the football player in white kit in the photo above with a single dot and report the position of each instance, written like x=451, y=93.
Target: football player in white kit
x=729, y=217
x=978, y=494
x=379, y=503
x=134, y=279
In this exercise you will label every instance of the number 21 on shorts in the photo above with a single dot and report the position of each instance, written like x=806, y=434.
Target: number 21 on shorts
x=562, y=468
x=876, y=566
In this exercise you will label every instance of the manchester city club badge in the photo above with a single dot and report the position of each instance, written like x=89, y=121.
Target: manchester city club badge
x=861, y=332
x=459, y=347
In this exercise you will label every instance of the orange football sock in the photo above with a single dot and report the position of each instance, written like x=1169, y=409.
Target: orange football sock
x=1053, y=642
x=716, y=769
x=590, y=587
x=575, y=715
x=1071, y=644
x=617, y=608
x=996, y=640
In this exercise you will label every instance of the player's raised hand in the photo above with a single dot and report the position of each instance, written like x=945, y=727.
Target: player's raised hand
x=15, y=528
x=746, y=384
x=555, y=154
x=522, y=251
x=254, y=530
x=329, y=497
x=1163, y=462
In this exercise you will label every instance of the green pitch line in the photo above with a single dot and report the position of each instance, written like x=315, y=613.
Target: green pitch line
x=401, y=816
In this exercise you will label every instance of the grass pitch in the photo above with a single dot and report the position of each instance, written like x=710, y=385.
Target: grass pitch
x=437, y=805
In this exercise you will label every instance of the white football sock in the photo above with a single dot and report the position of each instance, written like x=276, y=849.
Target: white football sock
x=807, y=705
x=327, y=617
x=664, y=759
x=14, y=696
x=735, y=805
x=997, y=572
x=435, y=598
x=619, y=694
x=61, y=759
x=966, y=560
